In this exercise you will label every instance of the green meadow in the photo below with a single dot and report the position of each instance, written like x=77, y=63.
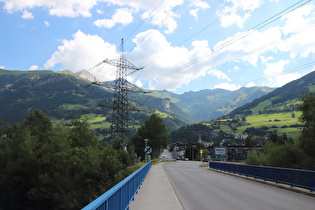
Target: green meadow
x=274, y=122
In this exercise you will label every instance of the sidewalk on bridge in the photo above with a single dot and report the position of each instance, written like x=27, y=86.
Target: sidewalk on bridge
x=156, y=192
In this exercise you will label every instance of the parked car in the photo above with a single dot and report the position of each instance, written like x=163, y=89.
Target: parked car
x=205, y=160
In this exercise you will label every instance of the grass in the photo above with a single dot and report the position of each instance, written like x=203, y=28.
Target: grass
x=260, y=106
x=204, y=165
x=272, y=119
x=100, y=125
x=276, y=119
x=162, y=114
x=94, y=118
x=97, y=121
x=224, y=128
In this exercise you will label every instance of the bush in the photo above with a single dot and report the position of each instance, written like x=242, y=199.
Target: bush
x=285, y=155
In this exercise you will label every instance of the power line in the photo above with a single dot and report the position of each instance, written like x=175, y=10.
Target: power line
x=269, y=44
x=142, y=22
x=258, y=26
x=235, y=39
x=296, y=68
x=169, y=14
x=156, y=26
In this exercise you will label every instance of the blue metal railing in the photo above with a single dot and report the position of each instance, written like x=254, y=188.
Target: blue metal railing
x=120, y=196
x=292, y=177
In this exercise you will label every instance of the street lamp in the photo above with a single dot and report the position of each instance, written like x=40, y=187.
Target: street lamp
x=146, y=144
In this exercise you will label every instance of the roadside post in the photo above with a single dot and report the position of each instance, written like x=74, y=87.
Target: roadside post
x=201, y=154
x=147, y=150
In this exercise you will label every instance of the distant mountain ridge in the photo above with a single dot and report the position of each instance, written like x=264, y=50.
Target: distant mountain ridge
x=205, y=105
x=289, y=92
x=84, y=74
x=62, y=95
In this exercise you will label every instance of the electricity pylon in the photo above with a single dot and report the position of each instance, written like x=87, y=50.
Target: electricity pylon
x=120, y=104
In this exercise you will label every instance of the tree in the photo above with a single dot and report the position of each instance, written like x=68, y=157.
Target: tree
x=53, y=167
x=38, y=123
x=306, y=139
x=80, y=133
x=155, y=130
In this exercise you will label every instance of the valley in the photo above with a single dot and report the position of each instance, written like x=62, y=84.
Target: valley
x=65, y=96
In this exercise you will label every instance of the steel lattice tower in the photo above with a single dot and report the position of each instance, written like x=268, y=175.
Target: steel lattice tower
x=120, y=103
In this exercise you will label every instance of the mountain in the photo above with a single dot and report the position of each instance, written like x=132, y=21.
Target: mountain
x=64, y=95
x=86, y=75
x=286, y=94
x=205, y=105
x=276, y=111
x=53, y=92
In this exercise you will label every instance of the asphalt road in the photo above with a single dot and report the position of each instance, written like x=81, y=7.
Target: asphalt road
x=166, y=155
x=200, y=189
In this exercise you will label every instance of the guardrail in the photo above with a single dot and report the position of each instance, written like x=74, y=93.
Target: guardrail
x=292, y=177
x=120, y=196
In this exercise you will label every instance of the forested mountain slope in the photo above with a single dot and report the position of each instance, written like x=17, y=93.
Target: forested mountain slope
x=64, y=96
x=286, y=94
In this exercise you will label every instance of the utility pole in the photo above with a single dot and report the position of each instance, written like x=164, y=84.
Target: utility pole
x=120, y=104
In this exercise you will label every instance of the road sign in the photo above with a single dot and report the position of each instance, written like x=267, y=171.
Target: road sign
x=220, y=151
x=147, y=150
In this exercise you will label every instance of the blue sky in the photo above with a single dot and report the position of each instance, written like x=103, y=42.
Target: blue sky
x=184, y=45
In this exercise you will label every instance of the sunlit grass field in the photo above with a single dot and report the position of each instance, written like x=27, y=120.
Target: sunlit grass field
x=277, y=120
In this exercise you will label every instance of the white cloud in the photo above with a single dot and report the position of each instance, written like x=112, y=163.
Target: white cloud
x=34, y=67
x=294, y=38
x=276, y=76
x=234, y=69
x=139, y=83
x=2, y=67
x=285, y=78
x=46, y=23
x=219, y=74
x=83, y=52
x=165, y=64
x=27, y=15
x=296, y=19
x=99, y=11
x=199, y=5
x=122, y=16
x=273, y=69
x=265, y=59
x=161, y=15
x=69, y=8
x=227, y=86
x=300, y=32
x=238, y=12
x=193, y=13
x=250, y=84
x=247, y=46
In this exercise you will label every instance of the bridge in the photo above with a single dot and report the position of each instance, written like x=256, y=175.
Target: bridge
x=185, y=185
